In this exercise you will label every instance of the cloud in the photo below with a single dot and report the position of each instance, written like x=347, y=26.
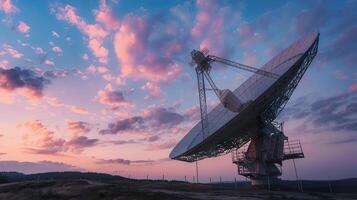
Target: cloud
x=36, y=167
x=154, y=90
x=79, y=110
x=122, y=161
x=48, y=62
x=55, y=73
x=340, y=75
x=4, y=64
x=42, y=55
x=8, y=7
x=94, y=32
x=57, y=49
x=23, y=27
x=153, y=119
x=120, y=142
x=251, y=58
x=345, y=141
x=336, y=113
x=123, y=125
x=97, y=69
x=55, y=34
x=193, y=113
x=141, y=58
x=161, y=146
x=105, y=16
x=26, y=80
x=162, y=117
x=343, y=48
x=8, y=49
x=98, y=50
x=78, y=143
x=112, y=97
x=248, y=35
x=41, y=140
x=309, y=20
x=113, y=161
x=213, y=27
x=79, y=127
x=52, y=101
x=85, y=56
x=146, y=140
x=353, y=87
x=152, y=138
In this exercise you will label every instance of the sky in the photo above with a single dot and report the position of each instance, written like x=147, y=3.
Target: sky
x=106, y=86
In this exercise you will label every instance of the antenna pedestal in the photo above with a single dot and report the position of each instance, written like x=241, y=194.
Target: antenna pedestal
x=261, y=159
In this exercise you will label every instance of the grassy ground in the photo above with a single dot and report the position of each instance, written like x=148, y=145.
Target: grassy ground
x=129, y=189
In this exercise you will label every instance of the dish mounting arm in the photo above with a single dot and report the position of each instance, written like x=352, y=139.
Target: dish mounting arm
x=242, y=66
x=203, y=103
x=212, y=84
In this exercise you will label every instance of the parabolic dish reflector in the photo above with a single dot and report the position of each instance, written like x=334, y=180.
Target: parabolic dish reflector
x=264, y=98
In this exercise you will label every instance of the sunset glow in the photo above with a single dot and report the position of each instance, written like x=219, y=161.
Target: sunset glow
x=106, y=86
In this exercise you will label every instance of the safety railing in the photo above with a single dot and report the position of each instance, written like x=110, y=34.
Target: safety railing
x=292, y=149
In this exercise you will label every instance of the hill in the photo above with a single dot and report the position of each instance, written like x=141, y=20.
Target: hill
x=7, y=177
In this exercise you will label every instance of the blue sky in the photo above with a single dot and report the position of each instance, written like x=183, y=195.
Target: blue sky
x=109, y=82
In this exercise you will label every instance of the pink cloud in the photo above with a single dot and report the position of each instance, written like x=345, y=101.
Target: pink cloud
x=112, y=97
x=162, y=145
x=4, y=64
x=154, y=90
x=79, y=110
x=212, y=27
x=352, y=87
x=247, y=35
x=251, y=58
x=97, y=69
x=78, y=127
x=94, y=32
x=340, y=75
x=85, y=56
x=23, y=27
x=78, y=143
x=24, y=81
x=55, y=34
x=105, y=16
x=8, y=49
x=203, y=19
x=132, y=45
x=41, y=140
x=193, y=113
x=8, y=7
x=152, y=121
x=57, y=49
x=120, y=81
x=54, y=102
x=98, y=50
x=108, y=77
x=162, y=117
x=48, y=62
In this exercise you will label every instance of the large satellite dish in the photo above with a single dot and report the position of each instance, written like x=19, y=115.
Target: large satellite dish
x=261, y=98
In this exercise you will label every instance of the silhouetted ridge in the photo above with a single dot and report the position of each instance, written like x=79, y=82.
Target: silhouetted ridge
x=15, y=176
